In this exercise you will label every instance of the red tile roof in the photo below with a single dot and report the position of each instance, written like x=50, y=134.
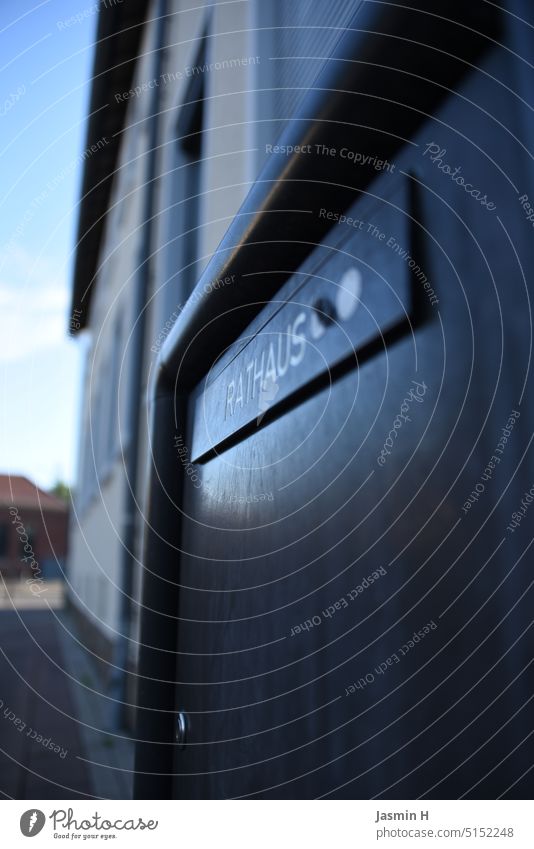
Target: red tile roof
x=18, y=491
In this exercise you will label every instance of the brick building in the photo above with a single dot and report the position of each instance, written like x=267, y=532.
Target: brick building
x=33, y=530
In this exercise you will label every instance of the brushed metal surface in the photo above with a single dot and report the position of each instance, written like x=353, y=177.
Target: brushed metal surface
x=359, y=289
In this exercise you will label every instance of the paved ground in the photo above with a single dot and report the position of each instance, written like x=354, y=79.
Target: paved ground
x=56, y=740
x=19, y=594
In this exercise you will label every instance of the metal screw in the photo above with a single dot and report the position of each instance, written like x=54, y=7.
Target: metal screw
x=180, y=731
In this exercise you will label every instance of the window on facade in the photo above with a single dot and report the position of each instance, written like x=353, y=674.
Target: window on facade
x=87, y=473
x=189, y=129
x=93, y=446
x=128, y=174
x=30, y=531
x=3, y=540
x=114, y=372
x=191, y=218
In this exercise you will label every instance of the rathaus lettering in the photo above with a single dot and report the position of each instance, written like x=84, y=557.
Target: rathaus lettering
x=286, y=349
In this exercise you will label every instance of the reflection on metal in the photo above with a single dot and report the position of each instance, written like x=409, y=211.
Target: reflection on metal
x=380, y=688
x=181, y=730
x=349, y=293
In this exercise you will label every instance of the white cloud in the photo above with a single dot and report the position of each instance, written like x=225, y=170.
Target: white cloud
x=33, y=306
x=39, y=369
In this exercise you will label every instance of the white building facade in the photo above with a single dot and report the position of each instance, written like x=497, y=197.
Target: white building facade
x=187, y=101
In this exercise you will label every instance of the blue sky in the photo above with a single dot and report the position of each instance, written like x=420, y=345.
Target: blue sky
x=44, y=89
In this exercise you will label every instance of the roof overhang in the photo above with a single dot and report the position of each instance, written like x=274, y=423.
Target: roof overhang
x=118, y=38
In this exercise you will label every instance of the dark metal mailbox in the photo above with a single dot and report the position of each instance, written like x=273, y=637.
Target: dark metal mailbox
x=337, y=597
